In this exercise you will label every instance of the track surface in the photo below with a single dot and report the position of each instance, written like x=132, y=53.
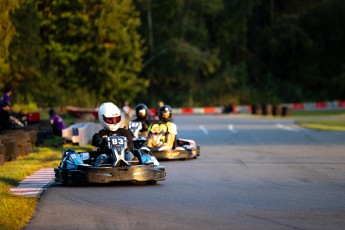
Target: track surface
x=253, y=173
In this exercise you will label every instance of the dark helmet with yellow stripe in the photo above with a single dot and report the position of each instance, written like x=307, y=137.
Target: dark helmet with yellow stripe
x=165, y=113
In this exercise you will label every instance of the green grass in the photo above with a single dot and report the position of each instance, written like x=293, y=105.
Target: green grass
x=15, y=210
x=321, y=120
x=318, y=113
x=317, y=120
x=337, y=124
x=68, y=119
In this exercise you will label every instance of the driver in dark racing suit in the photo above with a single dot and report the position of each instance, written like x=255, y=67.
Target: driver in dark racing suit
x=142, y=116
x=109, y=116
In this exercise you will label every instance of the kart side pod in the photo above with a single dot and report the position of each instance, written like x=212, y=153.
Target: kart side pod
x=70, y=159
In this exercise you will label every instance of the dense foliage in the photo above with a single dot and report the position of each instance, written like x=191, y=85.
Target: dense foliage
x=75, y=53
x=184, y=52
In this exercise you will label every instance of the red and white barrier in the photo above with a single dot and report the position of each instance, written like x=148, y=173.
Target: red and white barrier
x=198, y=110
x=298, y=106
x=321, y=105
x=308, y=106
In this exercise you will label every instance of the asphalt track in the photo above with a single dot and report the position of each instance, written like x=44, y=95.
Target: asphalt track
x=253, y=173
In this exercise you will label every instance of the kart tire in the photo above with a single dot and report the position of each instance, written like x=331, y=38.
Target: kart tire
x=151, y=182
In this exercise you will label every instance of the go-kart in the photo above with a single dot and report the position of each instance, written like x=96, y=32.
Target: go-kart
x=80, y=167
x=183, y=148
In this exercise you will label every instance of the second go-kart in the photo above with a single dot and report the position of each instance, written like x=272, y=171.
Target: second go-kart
x=139, y=137
x=183, y=148
x=79, y=167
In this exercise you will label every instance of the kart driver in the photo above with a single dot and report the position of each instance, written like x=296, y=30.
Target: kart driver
x=109, y=116
x=142, y=112
x=164, y=125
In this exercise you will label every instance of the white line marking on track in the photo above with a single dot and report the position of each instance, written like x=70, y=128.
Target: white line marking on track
x=286, y=128
x=203, y=129
x=35, y=184
x=232, y=129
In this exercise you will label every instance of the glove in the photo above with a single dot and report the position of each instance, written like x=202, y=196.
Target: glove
x=104, y=142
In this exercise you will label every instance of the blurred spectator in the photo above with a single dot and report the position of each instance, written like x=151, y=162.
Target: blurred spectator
x=127, y=110
x=228, y=108
x=7, y=121
x=6, y=97
x=56, y=122
x=127, y=114
x=160, y=104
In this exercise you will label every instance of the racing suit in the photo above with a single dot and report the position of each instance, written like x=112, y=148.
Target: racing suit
x=145, y=126
x=99, y=140
x=168, y=137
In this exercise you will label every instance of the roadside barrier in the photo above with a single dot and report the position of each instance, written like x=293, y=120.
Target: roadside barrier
x=274, y=109
x=312, y=106
x=14, y=143
x=18, y=142
x=264, y=109
x=198, y=110
x=81, y=133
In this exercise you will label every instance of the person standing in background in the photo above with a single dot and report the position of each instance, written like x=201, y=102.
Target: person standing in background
x=127, y=113
x=6, y=97
x=127, y=110
x=7, y=121
x=56, y=122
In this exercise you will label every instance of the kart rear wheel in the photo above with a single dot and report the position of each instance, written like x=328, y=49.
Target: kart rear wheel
x=151, y=182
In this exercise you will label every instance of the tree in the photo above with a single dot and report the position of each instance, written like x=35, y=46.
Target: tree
x=25, y=47
x=180, y=56
x=296, y=56
x=91, y=50
x=122, y=52
x=7, y=31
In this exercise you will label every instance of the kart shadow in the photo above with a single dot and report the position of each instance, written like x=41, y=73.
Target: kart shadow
x=110, y=184
x=167, y=160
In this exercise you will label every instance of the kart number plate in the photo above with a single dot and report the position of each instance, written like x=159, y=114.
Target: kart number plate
x=117, y=142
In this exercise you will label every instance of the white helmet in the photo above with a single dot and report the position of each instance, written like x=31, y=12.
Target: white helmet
x=109, y=116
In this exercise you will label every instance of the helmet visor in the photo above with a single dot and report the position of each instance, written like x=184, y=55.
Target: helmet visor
x=112, y=120
x=142, y=113
x=165, y=115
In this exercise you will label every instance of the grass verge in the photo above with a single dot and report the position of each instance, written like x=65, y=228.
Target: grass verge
x=337, y=124
x=321, y=120
x=15, y=210
x=318, y=120
x=318, y=113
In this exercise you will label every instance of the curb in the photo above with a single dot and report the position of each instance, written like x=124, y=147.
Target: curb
x=35, y=184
